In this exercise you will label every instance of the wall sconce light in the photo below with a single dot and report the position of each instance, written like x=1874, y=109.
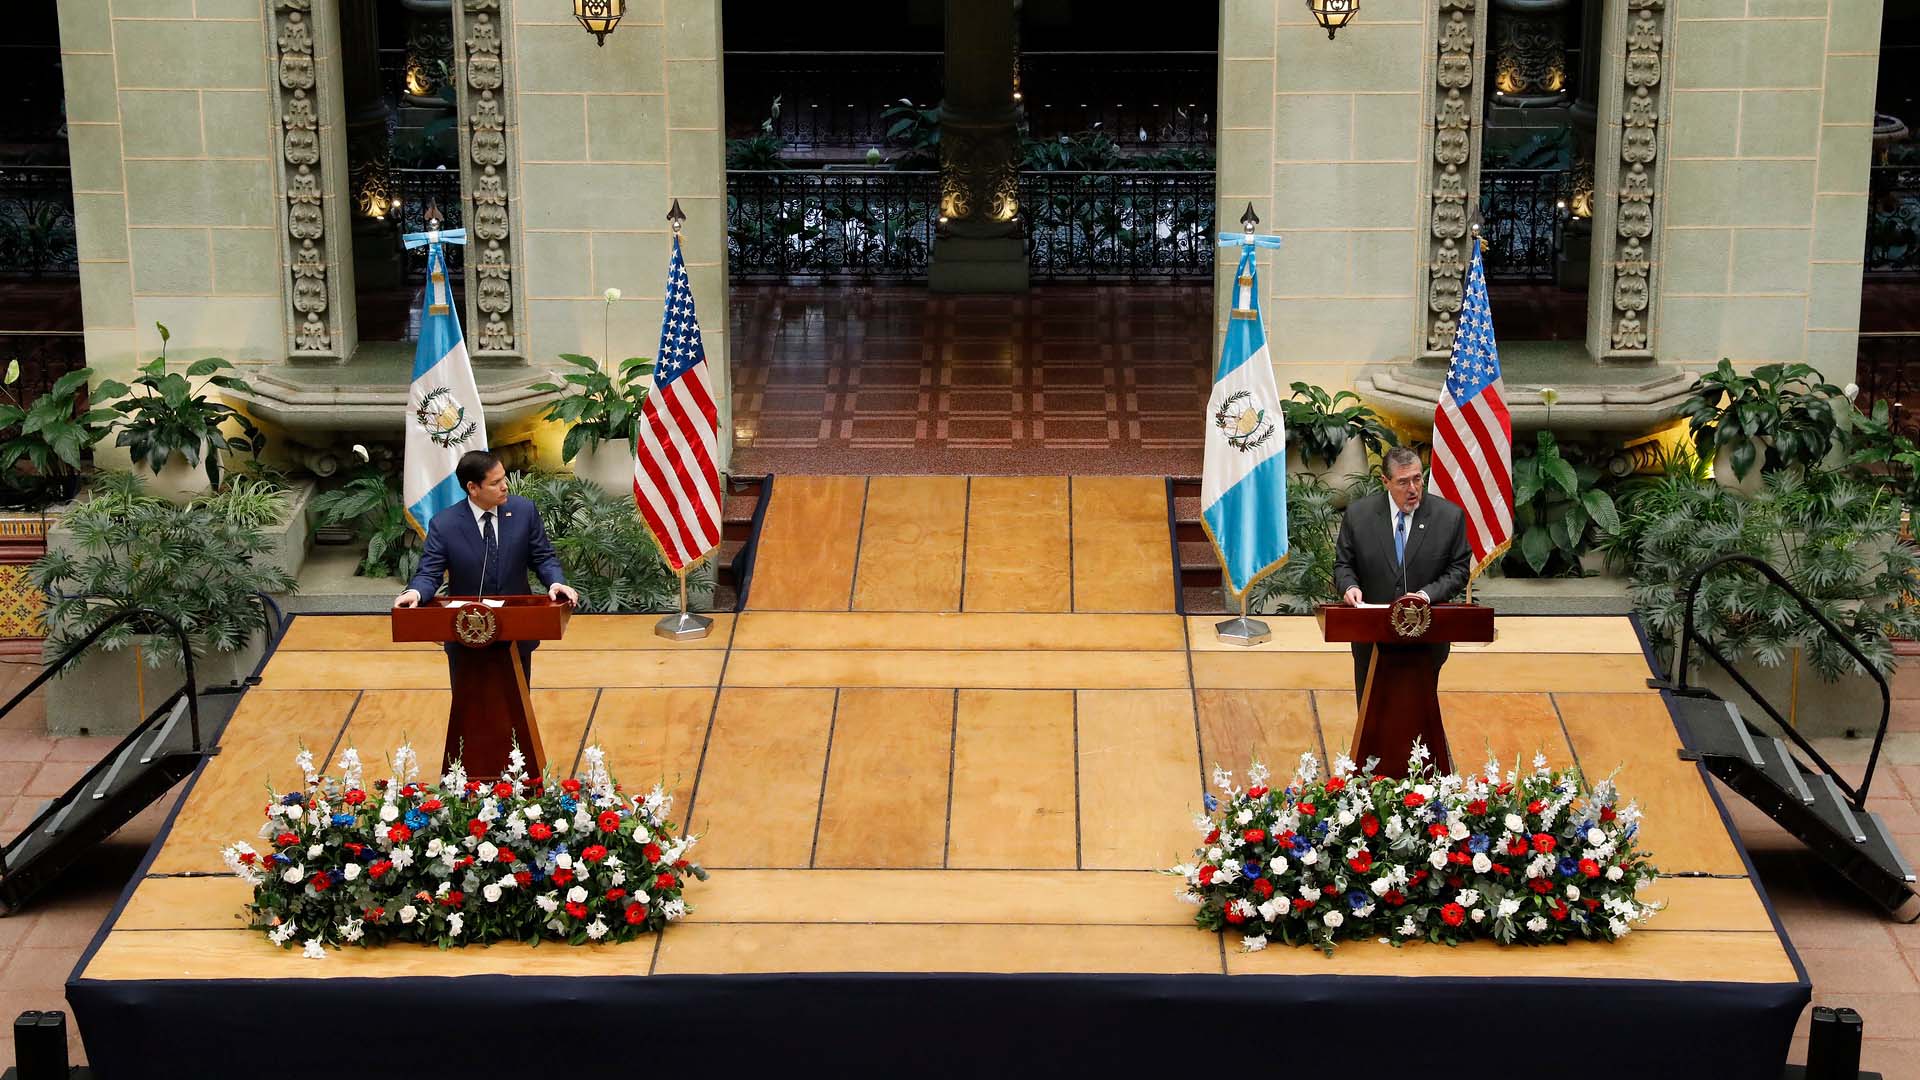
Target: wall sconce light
x=599, y=17
x=1333, y=14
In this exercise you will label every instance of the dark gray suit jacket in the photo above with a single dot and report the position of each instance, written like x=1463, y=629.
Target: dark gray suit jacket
x=1438, y=559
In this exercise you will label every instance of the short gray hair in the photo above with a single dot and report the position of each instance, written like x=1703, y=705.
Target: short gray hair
x=1397, y=457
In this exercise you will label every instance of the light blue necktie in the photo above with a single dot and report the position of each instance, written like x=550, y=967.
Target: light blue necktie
x=1400, y=537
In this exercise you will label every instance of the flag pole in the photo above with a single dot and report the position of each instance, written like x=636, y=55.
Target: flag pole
x=681, y=626
x=1241, y=630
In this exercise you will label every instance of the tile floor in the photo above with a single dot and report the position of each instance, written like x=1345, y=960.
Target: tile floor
x=1855, y=954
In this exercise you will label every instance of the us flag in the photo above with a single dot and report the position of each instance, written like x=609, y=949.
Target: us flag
x=675, y=482
x=1472, y=430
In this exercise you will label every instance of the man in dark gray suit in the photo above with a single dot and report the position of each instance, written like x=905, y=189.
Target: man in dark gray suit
x=1400, y=542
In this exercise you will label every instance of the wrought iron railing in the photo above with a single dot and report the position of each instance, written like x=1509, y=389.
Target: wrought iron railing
x=828, y=101
x=1524, y=213
x=1888, y=369
x=1893, y=219
x=1147, y=101
x=864, y=224
x=36, y=221
x=411, y=190
x=1118, y=225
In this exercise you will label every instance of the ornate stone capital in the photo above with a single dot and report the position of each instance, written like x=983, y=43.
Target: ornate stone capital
x=480, y=35
x=1456, y=102
x=302, y=161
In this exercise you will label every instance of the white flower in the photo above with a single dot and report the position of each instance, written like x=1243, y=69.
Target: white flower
x=1245, y=907
x=1244, y=817
x=1215, y=854
x=491, y=892
x=1310, y=892
x=1850, y=391
x=1573, y=892
x=314, y=851
x=547, y=903
x=1619, y=928
x=560, y=825
x=1277, y=866
x=1438, y=860
x=1363, y=911
x=1333, y=919
x=434, y=847
x=596, y=929
x=1272, y=910
x=1549, y=396
x=314, y=950
x=1183, y=896
x=1479, y=914
x=1614, y=873
x=1382, y=886
x=1482, y=864
x=408, y=914
x=401, y=857
x=674, y=909
x=1457, y=830
x=351, y=930
x=611, y=295
x=1508, y=908
x=389, y=812
x=293, y=874
x=454, y=922
x=1515, y=824
x=532, y=811
x=1345, y=816
x=1407, y=928
x=279, y=934
x=488, y=852
x=577, y=895
x=1253, y=942
x=1537, y=924
x=1310, y=858
x=619, y=877
x=1257, y=774
x=350, y=871
x=1469, y=897
x=1222, y=779
x=442, y=890
x=1595, y=836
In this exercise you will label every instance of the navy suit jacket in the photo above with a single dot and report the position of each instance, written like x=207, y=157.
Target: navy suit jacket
x=454, y=548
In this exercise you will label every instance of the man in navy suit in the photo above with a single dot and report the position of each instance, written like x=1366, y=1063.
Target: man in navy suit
x=488, y=529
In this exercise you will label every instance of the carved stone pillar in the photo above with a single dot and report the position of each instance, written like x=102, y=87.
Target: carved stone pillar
x=1627, y=215
x=1455, y=164
x=1529, y=41
x=978, y=247
x=312, y=291
x=480, y=42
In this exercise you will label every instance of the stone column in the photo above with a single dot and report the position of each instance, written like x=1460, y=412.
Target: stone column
x=1530, y=51
x=979, y=247
x=368, y=158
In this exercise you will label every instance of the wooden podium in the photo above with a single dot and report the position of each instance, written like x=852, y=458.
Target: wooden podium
x=1401, y=701
x=491, y=708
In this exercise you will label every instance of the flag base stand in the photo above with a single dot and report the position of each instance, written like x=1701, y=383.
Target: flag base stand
x=1243, y=631
x=682, y=626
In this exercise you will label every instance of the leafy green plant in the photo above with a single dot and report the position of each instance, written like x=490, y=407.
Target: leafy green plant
x=1833, y=536
x=50, y=435
x=1883, y=456
x=174, y=416
x=1558, y=507
x=1543, y=150
x=249, y=504
x=1319, y=424
x=1306, y=579
x=761, y=151
x=37, y=235
x=1087, y=151
x=1176, y=159
x=597, y=406
x=609, y=556
x=915, y=130
x=132, y=550
x=370, y=505
x=1787, y=406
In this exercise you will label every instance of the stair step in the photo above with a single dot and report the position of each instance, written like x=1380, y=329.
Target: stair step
x=1186, y=509
x=1885, y=840
x=1198, y=555
x=1838, y=803
x=1796, y=775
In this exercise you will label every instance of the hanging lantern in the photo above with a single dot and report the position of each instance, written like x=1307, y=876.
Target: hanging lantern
x=1333, y=14
x=599, y=16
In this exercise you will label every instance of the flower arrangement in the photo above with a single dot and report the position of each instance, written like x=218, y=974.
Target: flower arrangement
x=1529, y=858
x=463, y=862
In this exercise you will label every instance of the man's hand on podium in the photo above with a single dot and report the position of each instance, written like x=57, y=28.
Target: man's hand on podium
x=560, y=590
x=1352, y=597
x=410, y=598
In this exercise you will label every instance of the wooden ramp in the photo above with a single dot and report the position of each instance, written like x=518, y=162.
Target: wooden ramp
x=950, y=790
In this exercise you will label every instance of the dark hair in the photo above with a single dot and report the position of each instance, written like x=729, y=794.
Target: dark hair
x=1397, y=457
x=474, y=467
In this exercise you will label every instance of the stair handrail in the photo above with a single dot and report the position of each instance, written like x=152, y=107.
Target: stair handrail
x=1688, y=635
x=73, y=652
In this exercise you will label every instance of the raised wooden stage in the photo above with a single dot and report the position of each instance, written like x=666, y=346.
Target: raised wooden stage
x=983, y=779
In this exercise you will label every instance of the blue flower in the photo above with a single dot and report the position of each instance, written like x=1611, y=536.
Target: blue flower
x=1568, y=867
x=1321, y=828
x=291, y=798
x=1250, y=868
x=570, y=804
x=1211, y=803
x=281, y=859
x=416, y=819
x=341, y=821
x=1356, y=899
x=1301, y=846
x=1479, y=843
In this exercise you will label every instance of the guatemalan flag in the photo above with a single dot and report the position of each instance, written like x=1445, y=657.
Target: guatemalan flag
x=443, y=405
x=1243, y=487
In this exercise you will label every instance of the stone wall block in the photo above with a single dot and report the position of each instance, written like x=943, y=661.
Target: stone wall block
x=161, y=123
x=171, y=262
x=630, y=128
x=190, y=54
x=1771, y=260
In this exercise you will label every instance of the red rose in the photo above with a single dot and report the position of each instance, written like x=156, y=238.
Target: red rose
x=477, y=827
x=247, y=857
x=454, y=898
x=1536, y=806
x=379, y=870
x=1308, y=809
x=473, y=787
x=594, y=853
x=1335, y=783
x=374, y=913
x=1362, y=862
x=1436, y=830
x=1301, y=903
x=578, y=911
x=503, y=856
x=615, y=894
x=355, y=797
x=1370, y=825
x=1453, y=914
x=1257, y=792
x=1540, y=885
x=570, y=786
x=681, y=864
x=540, y=830
x=431, y=805
x=399, y=833
x=1592, y=904
x=1542, y=843
x=1477, y=806
x=609, y=821
x=1394, y=898
x=1559, y=910
x=1505, y=788
x=464, y=863
x=1206, y=875
x=1459, y=858
x=1235, y=917
x=356, y=849
x=1517, y=846
x=1413, y=800
x=636, y=914
x=1455, y=880
x=1212, y=837
x=321, y=882
x=1606, y=813
x=665, y=881
x=285, y=839
x=651, y=853
x=1589, y=868
x=1263, y=886
x=1254, y=836
x=1499, y=869
x=562, y=876
x=523, y=878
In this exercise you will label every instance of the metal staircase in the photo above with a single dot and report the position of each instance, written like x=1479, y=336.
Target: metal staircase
x=1802, y=791
x=159, y=753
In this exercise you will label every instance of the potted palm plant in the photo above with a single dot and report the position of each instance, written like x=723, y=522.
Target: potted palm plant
x=174, y=431
x=1781, y=416
x=1331, y=435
